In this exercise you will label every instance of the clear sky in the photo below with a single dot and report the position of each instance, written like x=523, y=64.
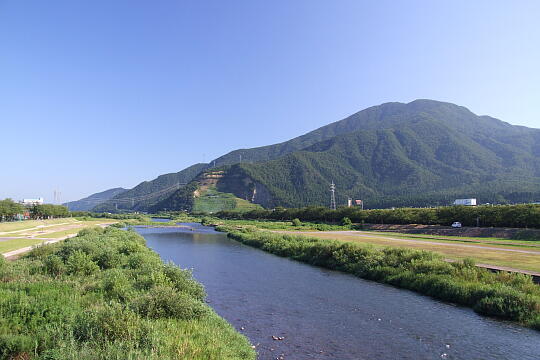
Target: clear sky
x=100, y=94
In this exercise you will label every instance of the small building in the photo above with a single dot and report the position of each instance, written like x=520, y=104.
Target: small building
x=466, y=202
x=38, y=201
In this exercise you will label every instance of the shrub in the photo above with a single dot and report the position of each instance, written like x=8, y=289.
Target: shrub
x=80, y=263
x=166, y=302
x=107, y=324
x=182, y=280
x=54, y=265
x=116, y=285
x=16, y=346
x=346, y=221
x=296, y=222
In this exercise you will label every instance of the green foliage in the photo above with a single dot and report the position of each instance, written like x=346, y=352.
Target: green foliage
x=9, y=208
x=81, y=264
x=166, y=302
x=48, y=211
x=148, y=193
x=519, y=216
x=509, y=296
x=296, y=222
x=105, y=295
x=345, y=221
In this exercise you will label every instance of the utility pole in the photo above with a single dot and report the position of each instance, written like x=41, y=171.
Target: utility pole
x=240, y=158
x=332, y=196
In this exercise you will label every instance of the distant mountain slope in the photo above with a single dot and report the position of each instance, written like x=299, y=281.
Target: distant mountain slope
x=93, y=200
x=393, y=114
x=417, y=154
x=148, y=193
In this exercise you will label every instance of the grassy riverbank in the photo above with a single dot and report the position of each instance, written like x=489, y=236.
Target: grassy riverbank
x=518, y=255
x=508, y=296
x=105, y=295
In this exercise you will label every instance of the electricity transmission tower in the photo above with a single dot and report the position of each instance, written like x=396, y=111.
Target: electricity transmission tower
x=332, y=196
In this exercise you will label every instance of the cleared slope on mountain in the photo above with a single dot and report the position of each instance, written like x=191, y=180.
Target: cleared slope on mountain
x=202, y=195
x=93, y=200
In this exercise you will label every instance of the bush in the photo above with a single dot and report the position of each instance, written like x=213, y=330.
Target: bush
x=182, y=280
x=116, y=285
x=346, y=222
x=166, y=302
x=296, y=222
x=109, y=323
x=54, y=265
x=80, y=263
x=16, y=346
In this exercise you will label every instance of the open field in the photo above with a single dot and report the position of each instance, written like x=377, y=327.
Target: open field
x=23, y=234
x=27, y=224
x=507, y=255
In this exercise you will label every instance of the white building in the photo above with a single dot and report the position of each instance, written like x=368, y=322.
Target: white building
x=38, y=201
x=466, y=202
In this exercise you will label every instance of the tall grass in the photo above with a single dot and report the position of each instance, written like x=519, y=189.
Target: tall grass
x=105, y=295
x=508, y=296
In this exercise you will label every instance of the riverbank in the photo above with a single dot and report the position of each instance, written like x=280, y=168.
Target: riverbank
x=508, y=296
x=105, y=295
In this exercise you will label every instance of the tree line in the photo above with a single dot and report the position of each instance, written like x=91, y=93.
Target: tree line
x=516, y=216
x=9, y=209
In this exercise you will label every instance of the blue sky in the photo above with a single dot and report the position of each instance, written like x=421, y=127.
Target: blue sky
x=99, y=94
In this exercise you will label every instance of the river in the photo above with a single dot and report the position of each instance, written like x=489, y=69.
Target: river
x=323, y=314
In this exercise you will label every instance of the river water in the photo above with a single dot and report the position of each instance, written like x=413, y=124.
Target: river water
x=323, y=314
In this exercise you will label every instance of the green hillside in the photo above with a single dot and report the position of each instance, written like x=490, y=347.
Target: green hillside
x=93, y=200
x=419, y=154
x=147, y=193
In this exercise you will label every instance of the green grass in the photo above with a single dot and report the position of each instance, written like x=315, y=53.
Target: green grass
x=105, y=295
x=14, y=244
x=508, y=296
x=212, y=201
x=28, y=224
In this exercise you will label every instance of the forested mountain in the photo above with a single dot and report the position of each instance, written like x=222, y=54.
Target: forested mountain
x=93, y=200
x=417, y=154
x=148, y=193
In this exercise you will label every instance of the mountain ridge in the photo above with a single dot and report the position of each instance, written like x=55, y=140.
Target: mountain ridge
x=408, y=136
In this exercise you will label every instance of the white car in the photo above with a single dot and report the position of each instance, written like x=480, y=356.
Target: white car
x=456, y=224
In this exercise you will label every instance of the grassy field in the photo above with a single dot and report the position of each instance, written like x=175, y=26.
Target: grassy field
x=105, y=295
x=449, y=250
x=33, y=232
x=27, y=224
x=212, y=201
x=14, y=244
